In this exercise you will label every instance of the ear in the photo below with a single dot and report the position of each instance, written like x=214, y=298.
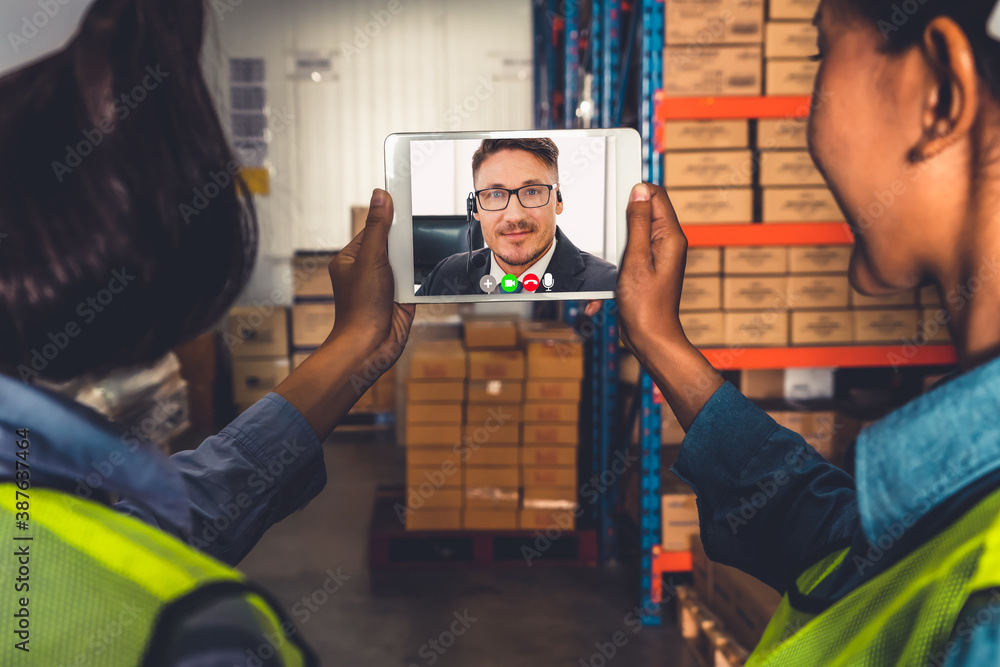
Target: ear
x=951, y=102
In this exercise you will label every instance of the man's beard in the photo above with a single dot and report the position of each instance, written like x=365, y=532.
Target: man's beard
x=513, y=262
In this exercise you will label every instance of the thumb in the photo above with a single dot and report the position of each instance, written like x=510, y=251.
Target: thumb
x=639, y=217
x=376, y=232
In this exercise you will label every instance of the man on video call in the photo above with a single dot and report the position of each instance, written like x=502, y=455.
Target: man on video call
x=516, y=202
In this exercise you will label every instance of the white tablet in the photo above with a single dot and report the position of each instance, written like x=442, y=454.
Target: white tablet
x=520, y=216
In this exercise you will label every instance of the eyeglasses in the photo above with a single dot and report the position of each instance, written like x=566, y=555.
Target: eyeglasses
x=530, y=196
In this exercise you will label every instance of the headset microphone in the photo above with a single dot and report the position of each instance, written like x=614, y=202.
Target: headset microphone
x=478, y=261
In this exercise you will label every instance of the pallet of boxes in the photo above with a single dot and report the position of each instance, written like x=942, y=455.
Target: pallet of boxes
x=257, y=338
x=492, y=428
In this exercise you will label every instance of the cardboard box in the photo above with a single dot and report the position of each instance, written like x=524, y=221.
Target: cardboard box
x=311, y=276
x=438, y=360
x=702, y=169
x=934, y=325
x=492, y=455
x=680, y=521
x=713, y=205
x=385, y=391
x=553, y=390
x=699, y=135
x=774, y=133
x=434, y=519
x=359, y=215
x=818, y=291
x=485, y=414
x=257, y=332
x=433, y=457
x=440, y=435
x=542, y=519
x=791, y=77
x=418, y=498
x=494, y=433
x=800, y=205
x=445, y=475
x=433, y=413
x=495, y=392
x=312, y=323
x=820, y=259
x=704, y=329
x=714, y=21
x=474, y=519
x=255, y=378
x=492, y=476
x=755, y=293
x=696, y=71
x=763, y=384
x=744, y=604
x=822, y=328
x=790, y=39
x=859, y=300
x=928, y=296
x=546, y=433
x=757, y=329
x=552, y=350
x=491, y=498
x=755, y=260
x=793, y=421
x=795, y=168
x=703, y=262
x=701, y=294
x=548, y=456
x=803, y=10
x=496, y=365
x=535, y=476
x=568, y=413
x=483, y=333
x=550, y=497
x=435, y=391
x=885, y=326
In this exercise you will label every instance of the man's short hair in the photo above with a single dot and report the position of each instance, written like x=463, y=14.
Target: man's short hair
x=544, y=149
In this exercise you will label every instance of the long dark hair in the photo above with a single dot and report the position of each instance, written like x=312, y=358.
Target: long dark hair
x=124, y=229
x=902, y=25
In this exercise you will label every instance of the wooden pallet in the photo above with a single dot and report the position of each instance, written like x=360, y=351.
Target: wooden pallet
x=392, y=547
x=705, y=634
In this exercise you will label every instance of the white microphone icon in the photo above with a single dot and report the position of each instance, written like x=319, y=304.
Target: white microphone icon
x=548, y=281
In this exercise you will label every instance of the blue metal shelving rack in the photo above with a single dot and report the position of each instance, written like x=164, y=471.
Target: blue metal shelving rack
x=650, y=424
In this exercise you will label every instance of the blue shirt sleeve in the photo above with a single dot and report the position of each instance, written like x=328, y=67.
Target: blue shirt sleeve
x=975, y=641
x=260, y=468
x=768, y=503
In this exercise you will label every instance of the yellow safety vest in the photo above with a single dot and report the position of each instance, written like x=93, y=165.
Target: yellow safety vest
x=90, y=586
x=904, y=616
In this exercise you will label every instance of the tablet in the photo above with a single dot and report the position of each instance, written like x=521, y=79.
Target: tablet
x=516, y=216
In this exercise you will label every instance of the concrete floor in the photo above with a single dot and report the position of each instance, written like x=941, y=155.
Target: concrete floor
x=550, y=617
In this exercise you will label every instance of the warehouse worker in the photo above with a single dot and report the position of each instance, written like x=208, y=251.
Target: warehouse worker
x=107, y=131
x=900, y=564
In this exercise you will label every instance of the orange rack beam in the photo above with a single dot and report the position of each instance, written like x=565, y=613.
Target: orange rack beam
x=666, y=561
x=732, y=108
x=757, y=234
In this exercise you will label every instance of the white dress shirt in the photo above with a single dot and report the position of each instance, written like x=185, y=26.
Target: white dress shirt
x=538, y=268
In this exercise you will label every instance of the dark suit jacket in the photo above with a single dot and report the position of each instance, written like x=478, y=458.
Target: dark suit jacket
x=572, y=269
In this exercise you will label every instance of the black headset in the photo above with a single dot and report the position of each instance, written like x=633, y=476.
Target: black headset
x=471, y=206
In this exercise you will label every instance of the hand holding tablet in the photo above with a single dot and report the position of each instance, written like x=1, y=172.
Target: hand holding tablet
x=509, y=215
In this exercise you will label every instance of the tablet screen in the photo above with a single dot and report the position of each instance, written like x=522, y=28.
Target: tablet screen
x=512, y=216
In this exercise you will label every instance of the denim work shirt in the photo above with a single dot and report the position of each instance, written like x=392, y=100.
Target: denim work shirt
x=219, y=498
x=917, y=471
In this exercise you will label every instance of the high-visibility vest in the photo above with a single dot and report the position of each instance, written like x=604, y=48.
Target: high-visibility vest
x=90, y=586
x=903, y=616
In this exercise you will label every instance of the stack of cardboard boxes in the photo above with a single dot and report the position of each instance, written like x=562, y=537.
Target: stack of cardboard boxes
x=554, y=372
x=789, y=46
x=775, y=296
x=492, y=428
x=257, y=337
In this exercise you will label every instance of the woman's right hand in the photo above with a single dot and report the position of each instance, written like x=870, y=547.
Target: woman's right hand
x=652, y=271
x=649, y=295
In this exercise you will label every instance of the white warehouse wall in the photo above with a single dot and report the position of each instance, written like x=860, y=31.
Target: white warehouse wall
x=403, y=66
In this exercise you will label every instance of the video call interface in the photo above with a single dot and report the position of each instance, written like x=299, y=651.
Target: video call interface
x=538, y=216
